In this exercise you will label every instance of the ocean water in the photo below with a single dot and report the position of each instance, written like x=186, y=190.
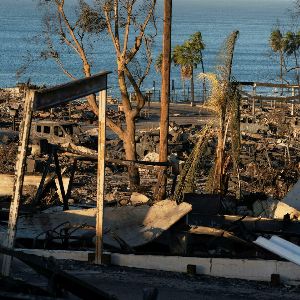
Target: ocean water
x=20, y=23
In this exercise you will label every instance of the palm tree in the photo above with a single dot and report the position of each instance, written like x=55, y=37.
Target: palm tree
x=278, y=46
x=224, y=101
x=188, y=56
x=291, y=43
x=198, y=45
x=179, y=60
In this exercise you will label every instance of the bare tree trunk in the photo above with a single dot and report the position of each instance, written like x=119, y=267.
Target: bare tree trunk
x=204, y=81
x=231, y=52
x=93, y=104
x=91, y=98
x=281, y=71
x=297, y=68
x=129, y=146
x=183, y=86
x=130, y=153
x=129, y=134
x=165, y=94
x=192, y=88
x=218, y=176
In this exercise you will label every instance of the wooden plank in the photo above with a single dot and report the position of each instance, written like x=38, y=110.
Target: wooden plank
x=150, y=165
x=7, y=182
x=60, y=181
x=203, y=230
x=100, y=177
x=66, y=183
x=19, y=179
x=134, y=225
x=42, y=182
x=73, y=170
x=73, y=90
x=254, y=224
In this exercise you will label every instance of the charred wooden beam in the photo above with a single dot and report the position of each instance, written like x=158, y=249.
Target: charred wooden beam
x=60, y=181
x=64, y=93
x=257, y=225
x=202, y=230
x=138, y=163
x=150, y=165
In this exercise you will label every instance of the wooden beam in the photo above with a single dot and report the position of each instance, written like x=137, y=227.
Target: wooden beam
x=254, y=224
x=203, y=230
x=73, y=170
x=100, y=177
x=60, y=181
x=19, y=179
x=7, y=183
x=73, y=90
x=149, y=165
x=42, y=182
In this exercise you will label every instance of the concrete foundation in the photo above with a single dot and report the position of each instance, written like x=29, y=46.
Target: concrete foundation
x=258, y=270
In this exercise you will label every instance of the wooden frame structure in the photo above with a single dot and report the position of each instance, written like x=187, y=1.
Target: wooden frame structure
x=47, y=98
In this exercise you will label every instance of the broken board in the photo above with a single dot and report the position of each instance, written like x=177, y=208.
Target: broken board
x=7, y=183
x=135, y=226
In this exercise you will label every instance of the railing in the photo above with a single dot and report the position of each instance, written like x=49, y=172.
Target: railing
x=178, y=95
x=270, y=95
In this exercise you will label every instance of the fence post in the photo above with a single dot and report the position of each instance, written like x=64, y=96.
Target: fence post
x=253, y=100
x=293, y=94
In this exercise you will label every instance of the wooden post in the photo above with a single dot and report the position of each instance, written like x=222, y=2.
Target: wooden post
x=74, y=167
x=60, y=181
x=42, y=182
x=100, y=177
x=253, y=101
x=165, y=94
x=19, y=179
x=293, y=94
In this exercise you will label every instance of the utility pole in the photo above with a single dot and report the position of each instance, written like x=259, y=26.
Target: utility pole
x=165, y=97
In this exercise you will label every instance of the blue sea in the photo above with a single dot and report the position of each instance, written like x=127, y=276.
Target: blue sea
x=20, y=24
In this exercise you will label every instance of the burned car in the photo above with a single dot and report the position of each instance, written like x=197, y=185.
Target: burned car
x=61, y=132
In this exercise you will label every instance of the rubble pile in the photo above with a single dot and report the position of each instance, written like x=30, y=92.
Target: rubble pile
x=269, y=154
x=8, y=154
x=195, y=224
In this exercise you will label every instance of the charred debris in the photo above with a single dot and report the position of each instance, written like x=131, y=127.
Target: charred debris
x=258, y=198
